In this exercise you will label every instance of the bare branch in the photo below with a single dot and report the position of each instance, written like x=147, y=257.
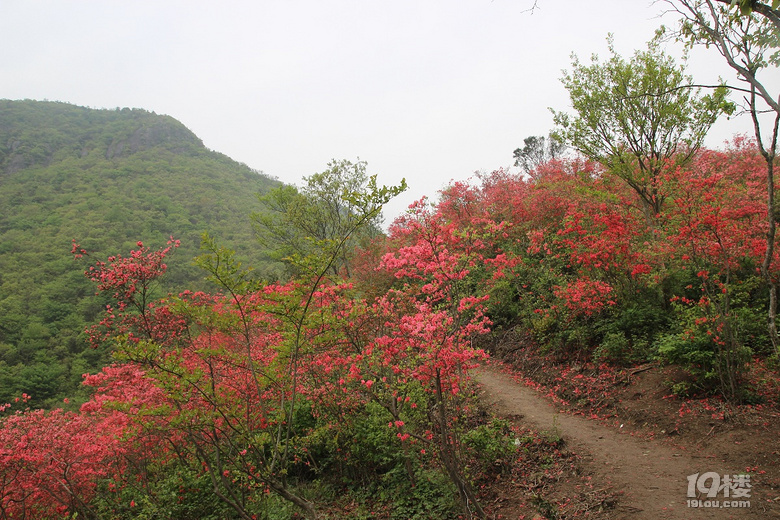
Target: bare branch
x=533, y=8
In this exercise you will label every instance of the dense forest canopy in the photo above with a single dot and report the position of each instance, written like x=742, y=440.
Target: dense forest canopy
x=107, y=178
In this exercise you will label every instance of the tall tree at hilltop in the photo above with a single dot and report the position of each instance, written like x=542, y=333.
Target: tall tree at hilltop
x=637, y=117
x=537, y=150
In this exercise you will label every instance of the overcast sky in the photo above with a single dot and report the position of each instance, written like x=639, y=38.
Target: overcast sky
x=427, y=90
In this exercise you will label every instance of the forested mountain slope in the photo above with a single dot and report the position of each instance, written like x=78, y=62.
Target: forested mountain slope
x=107, y=179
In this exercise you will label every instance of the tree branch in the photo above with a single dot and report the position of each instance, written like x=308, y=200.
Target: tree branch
x=765, y=10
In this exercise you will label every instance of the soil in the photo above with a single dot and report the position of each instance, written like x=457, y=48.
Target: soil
x=635, y=448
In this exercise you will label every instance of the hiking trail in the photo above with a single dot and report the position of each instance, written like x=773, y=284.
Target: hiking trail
x=652, y=475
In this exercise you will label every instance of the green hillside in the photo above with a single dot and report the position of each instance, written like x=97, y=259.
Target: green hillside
x=107, y=179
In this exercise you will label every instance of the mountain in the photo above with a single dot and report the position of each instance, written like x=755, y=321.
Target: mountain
x=107, y=179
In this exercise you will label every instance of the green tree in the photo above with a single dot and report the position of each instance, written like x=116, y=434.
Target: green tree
x=637, y=117
x=297, y=222
x=537, y=150
x=747, y=34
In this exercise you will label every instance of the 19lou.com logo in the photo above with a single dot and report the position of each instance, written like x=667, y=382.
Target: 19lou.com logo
x=713, y=490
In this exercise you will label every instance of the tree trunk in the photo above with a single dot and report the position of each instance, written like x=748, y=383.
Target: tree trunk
x=306, y=506
x=771, y=209
x=449, y=458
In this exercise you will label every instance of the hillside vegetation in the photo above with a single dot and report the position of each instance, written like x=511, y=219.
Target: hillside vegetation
x=343, y=387
x=107, y=178
x=352, y=395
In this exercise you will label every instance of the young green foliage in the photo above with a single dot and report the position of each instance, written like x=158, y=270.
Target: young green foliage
x=339, y=205
x=536, y=151
x=636, y=117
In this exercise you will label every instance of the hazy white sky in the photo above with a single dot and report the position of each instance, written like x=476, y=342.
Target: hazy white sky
x=427, y=90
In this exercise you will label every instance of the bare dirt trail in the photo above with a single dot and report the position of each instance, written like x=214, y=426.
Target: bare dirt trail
x=651, y=475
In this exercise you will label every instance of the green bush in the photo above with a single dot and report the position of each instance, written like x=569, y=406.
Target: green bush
x=432, y=495
x=716, y=366
x=492, y=445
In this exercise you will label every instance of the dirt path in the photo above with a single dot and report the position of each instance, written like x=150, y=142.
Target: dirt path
x=652, y=475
